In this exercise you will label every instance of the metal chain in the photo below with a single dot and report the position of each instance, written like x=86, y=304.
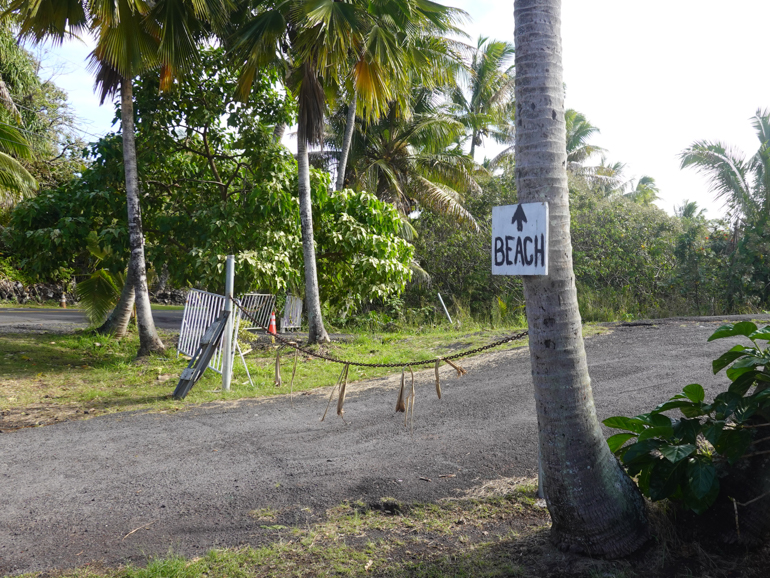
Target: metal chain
x=514, y=337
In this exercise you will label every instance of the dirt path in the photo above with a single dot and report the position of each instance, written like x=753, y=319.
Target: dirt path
x=73, y=493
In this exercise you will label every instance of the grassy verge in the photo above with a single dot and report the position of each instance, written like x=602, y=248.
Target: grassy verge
x=49, y=378
x=471, y=537
x=498, y=530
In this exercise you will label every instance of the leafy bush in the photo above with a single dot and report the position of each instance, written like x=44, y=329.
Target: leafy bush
x=682, y=459
x=622, y=250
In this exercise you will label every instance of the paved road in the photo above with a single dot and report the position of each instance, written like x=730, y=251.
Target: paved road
x=66, y=319
x=71, y=493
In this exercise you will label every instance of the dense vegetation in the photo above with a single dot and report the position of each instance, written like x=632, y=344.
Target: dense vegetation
x=215, y=180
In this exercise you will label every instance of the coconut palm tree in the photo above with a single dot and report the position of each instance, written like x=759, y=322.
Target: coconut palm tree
x=430, y=60
x=743, y=184
x=594, y=505
x=311, y=40
x=133, y=36
x=410, y=160
x=15, y=181
x=579, y=131
x=642, y=192
x=484, y=102
x=688, y=211
x=317, y=40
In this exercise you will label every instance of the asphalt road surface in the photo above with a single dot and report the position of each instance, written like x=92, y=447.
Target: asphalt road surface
x=31, y=319
x=72, y=493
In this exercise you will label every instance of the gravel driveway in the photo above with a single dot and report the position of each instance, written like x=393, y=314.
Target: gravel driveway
x=72, y=493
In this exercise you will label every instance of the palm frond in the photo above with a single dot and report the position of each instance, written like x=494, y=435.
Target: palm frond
x=726, y=170
x=54, y=20
x=16, y=182
x=405, y=230
x=13, y=142
x=312, y=101
x=419, y=275
x=441, y=199
x=99, y=294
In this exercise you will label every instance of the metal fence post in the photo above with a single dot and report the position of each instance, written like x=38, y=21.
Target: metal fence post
x=227, y=338
x=444, y=306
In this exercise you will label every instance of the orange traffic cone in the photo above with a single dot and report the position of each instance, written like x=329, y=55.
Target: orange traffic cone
x=271, y=327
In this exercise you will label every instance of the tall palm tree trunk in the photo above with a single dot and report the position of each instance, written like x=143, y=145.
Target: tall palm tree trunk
x=347, y=138
x=7, y=102
x=117, y=322
x=149, y=342
x=594, y=505
x=316, y=331
x=278, y=132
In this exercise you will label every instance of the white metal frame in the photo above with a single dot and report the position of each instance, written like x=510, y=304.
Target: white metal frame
x=200, y=311
x=292, y=313
x=260, y=306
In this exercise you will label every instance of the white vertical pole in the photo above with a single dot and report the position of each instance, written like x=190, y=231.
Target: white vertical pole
x=444, y=306
x=227, y=343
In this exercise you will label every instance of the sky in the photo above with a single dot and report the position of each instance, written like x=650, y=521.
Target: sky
x=653, y=76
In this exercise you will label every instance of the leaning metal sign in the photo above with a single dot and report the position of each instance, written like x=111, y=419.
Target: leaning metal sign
x=520, y=239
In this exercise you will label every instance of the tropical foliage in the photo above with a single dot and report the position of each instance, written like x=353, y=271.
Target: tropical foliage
x=483, y=99
x=684, y=458
x=409, y=159
x=38, y=146
x=211, y=188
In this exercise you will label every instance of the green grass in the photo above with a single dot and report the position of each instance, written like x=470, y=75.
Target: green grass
x=48, y=378
x=458, y=537
x=501, y=532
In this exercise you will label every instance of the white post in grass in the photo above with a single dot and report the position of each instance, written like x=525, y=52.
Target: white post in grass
x=227, y=338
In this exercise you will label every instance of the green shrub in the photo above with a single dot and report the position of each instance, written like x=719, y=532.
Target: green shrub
x=681, y=458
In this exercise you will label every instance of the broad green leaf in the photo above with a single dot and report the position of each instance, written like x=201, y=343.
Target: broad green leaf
x=733, y=443
x=654, y=419
x=700, y=477
x=747, y=407
x=763, y=334
x=626, y=423
x=727, y=358
x=742, y=365
x=743, y=382
x=734, y=373
x=745, y=328
x=712, y=431
x=661, y=431
x=640, y=451
x=694, y=392
x=700, y=506
x=676, y=453
x=673, y=404
x=687, y=430
x=666, y=478
x=616, y=442
x=725, y=404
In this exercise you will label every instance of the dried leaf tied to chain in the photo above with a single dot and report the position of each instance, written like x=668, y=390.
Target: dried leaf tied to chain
x=460, y=371
x=331, y=395
x=343, y=390
x=278, y=381
x=410, y=401
x=293, y=373
x=400, y=405
x=438, y=381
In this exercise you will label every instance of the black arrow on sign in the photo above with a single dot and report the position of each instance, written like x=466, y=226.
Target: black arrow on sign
x=519, y=218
